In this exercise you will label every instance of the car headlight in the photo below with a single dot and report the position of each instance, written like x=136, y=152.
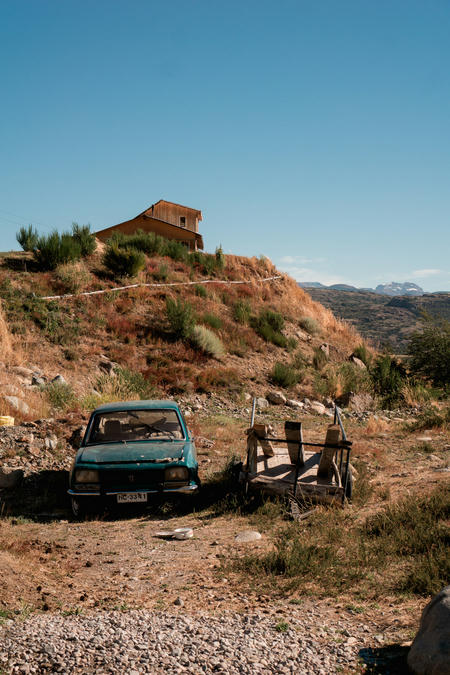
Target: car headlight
x=86, y=476
x=176, y=473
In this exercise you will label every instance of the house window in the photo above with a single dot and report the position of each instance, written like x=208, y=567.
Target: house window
x=182, y=221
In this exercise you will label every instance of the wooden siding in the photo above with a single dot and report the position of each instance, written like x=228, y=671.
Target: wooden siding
x=171, y=213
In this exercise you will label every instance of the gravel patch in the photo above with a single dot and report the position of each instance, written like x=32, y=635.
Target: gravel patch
x=140, y=641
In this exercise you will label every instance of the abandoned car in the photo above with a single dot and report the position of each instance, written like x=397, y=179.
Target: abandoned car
x=130, y=451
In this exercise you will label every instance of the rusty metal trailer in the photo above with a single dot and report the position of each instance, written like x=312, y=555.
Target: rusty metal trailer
x=303, y=471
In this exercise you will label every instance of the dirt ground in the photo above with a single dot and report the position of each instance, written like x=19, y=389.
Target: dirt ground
x=53, y=563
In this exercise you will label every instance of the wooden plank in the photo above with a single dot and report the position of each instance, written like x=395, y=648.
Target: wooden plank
x=293, y=431
x=326, y=460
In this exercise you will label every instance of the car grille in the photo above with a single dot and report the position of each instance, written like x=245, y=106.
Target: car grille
x=119, y=479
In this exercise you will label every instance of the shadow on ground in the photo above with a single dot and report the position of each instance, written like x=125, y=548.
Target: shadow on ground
x=387, y=660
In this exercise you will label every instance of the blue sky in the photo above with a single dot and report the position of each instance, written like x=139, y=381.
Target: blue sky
x=313, y=132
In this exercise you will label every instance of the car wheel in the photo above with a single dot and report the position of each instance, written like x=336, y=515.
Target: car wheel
x=78, y=509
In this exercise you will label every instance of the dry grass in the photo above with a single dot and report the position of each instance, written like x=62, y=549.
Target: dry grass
x=376, y=426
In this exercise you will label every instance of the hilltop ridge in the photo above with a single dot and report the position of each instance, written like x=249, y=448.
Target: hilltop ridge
x=130, y=328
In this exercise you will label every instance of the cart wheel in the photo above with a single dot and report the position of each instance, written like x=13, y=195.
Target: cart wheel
x=349, y=487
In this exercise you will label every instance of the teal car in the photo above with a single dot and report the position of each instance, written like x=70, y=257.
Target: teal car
x=130, y=452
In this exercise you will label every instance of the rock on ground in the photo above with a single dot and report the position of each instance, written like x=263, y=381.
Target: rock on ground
x=430, y=651
x=140, y=642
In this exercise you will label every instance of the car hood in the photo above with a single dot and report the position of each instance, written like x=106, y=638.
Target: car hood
x=125, y=453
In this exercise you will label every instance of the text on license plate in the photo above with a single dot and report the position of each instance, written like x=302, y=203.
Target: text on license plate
x=131, y=497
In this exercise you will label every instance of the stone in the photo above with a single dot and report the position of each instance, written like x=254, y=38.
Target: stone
x=59, y=379
x=318, y=407
x=247, y=396
x=276, y=398
x=291, y=403
x=262, y=403
x=325, y=348
x=37, y=381
x=358, y=362
x=22, y=372
x=424, y=439
x=179, y=602
x=17, y=404
x=107, y=365
x=430, y=650
x=9, y=479
x=247, y=536
x=77, y=436
x=51, y=443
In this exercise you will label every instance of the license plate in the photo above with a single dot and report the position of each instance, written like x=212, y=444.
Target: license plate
x=131, y=497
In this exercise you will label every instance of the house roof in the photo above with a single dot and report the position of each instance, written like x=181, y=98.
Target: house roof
x=188, y=208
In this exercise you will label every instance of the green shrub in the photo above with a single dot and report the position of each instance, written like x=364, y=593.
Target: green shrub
x=204, y=339
x=388, y=377
x=431, y=418
x=430, y=352
x=180, y=316
x=362, y=353
x=319, y=358
x=220, y=258
x=56, y=249
x=28, y=238
x=147, y=242
x=268, y=325
x=85, y=238
x=123, y=262
x=124, y=384
x=162, y=273
x=60, y=395
x=212, y=320
x=354, y=379
x=200, y=291
x=242, y=311
x=175, y=250
x=310, y=325
x=292, y=343
x=284, y=375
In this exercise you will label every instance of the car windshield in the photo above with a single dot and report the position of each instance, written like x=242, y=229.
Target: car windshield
x=135, y=425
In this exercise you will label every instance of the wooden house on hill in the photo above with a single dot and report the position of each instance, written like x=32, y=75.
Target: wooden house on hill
x=167, y=219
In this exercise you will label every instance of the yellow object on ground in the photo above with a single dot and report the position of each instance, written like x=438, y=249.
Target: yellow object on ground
x=6, y=421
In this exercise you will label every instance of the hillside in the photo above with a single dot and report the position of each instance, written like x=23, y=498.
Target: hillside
x=77, y=337
x=380, y=318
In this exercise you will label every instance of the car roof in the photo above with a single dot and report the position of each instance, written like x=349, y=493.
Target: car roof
x=137, y=405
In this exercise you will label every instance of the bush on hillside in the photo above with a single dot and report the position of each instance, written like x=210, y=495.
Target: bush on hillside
x=28, y=238
x=200, y=291
x=430, y=352
x=56, y=249
x=180, y=316
x=284, y=375
x=72, y=277
x=147, y=242
x=83, y=235
x=362, y=353
x=123, y=262
x=212, y=320
x=310, y=325
x=319, y=358
x=204, y=339
x=220, y=258
x=388, y=377
x=268, y=325
x=242, y=311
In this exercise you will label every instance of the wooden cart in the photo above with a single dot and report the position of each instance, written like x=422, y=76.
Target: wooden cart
x=290, y=466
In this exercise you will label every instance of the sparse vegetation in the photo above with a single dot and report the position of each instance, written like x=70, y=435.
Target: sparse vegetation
x=269, y=325
x=388, y=377
x=28, y=238
x=180, y=316
x=430, y=352
x=242, y=311
x=284, y=375
x=123, y=262
x=60, y=395
x=310, y=325
x=212, y=320
x=207, y=341
x=83, y=236
x=56, y=249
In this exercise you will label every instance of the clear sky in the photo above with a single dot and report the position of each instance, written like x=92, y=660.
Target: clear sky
x=315, y=132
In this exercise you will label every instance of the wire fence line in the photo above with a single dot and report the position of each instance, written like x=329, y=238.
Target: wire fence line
x=142, y=285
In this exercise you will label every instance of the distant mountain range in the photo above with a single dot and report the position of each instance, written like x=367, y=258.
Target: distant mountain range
x=380, y=317
x=393, y=288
